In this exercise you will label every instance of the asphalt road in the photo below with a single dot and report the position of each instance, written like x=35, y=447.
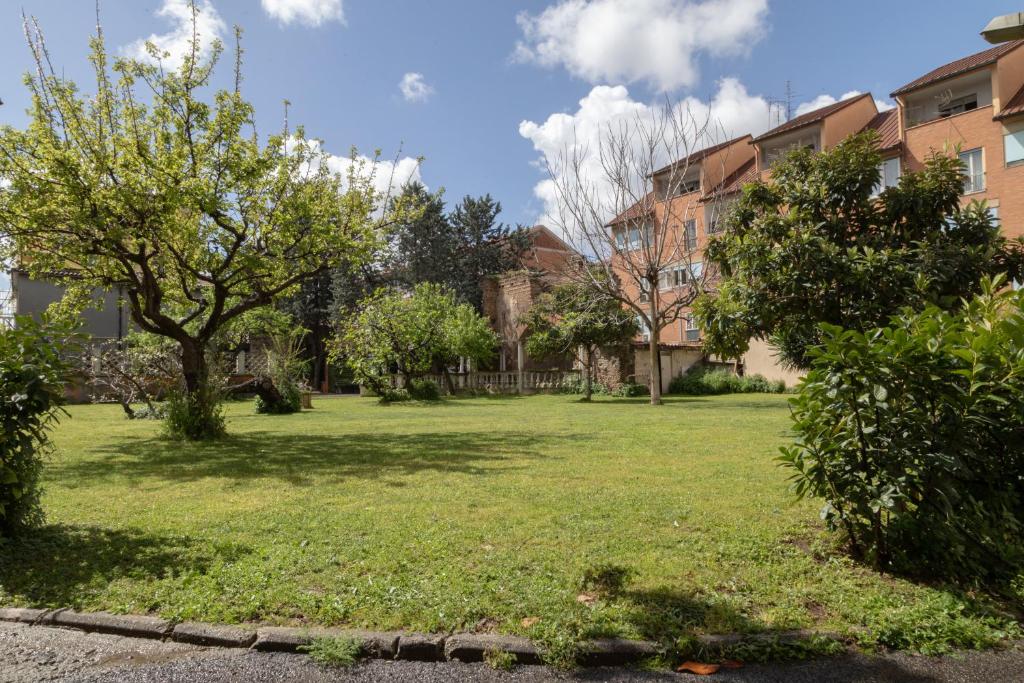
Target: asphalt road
x=48, y=654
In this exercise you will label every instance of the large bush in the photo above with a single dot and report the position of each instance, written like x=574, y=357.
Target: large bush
x=701, y=380
x=914, y=436
x=32, y=376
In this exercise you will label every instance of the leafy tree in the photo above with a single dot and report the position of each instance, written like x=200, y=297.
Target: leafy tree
x=32, y=373
x=913, y=435
x=814, y=244
x=425, y=244
x=149, y=187
x=573, y=319
x=483, y=247
x=412, y=334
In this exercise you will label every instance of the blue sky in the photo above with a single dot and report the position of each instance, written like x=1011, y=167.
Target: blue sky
x=341, y=63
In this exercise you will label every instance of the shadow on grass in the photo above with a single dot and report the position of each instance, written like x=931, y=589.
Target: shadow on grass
x=300, y=458
x=667, y=614
x=60, y=566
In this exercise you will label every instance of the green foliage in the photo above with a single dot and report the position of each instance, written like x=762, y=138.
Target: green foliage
x=703, y=380
x=606, y=579
x=499, y=660
x=285, y=368
x=411, y=334
x=424, y=390
x=157, y=185
x=631, y=390
x=195, y=416
x=812, y=245
x=458, y=251
x=913, y=435
x=574, y=317
x=338, y=652
x=32, y=374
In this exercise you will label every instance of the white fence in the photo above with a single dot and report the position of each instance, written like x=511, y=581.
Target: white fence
x=503, y=382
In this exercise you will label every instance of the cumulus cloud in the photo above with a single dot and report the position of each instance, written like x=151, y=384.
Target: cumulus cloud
x=414, y=88
x=732, y=112
x=177, y=42
x=655, y=41
x=308, y=12
x=388, y=176
x=825, y=100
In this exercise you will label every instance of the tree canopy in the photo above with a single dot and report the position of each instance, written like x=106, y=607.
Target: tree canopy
x=574, y=319
x=155, y=187
x=817, y=244
x=411, y=334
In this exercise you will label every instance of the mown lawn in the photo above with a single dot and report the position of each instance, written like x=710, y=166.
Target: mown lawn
x=468, y=514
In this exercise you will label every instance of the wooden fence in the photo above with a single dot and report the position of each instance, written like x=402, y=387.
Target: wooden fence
x=503, y=382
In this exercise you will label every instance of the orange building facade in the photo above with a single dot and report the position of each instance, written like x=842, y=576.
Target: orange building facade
x=972, y=107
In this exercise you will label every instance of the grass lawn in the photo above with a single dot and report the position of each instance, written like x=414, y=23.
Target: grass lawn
x=467, y=514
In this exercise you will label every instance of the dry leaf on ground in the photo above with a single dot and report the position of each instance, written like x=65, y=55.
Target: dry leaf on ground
x=699, y=668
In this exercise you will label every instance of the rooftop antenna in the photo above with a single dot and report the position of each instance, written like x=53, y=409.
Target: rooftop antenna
x=1005, y=28
x=789, y=100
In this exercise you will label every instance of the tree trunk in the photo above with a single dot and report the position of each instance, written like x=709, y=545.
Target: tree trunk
x=655, y=335
x=448, y=383
x=588, y=385
x=201, y=419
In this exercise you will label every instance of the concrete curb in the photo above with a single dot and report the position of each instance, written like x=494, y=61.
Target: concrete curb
x=428, y=647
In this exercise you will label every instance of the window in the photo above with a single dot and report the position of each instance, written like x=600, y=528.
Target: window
x=690, y=234
x=993, y=213
x=958, y=105
x=889, y=175
x=774, y=154
x=1013, y=144
x=680, y=275
x=645, y=296
x=644, y=330
x=692, y=331
x=974, y=172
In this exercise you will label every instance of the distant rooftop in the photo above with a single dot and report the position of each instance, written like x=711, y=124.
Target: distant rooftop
x=887, y=123
x=702, y=154
x=960, y=66
x=1014, y=106
x=810, y=117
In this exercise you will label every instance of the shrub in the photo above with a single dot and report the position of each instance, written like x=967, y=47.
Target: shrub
x=702, y=380
x=575, y=384
x=914, y=436
x=631, y=390
x=32, y=376
x=424, y=390
x=191, y=419
x=291, y=401
x=340, y=652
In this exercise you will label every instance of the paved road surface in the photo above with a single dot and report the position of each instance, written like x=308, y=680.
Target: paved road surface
x=48, y=654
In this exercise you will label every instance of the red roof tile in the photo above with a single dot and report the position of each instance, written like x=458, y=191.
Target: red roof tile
x=747, y=173
x=642, y=208
x=960, y=66
x=702, y=154
x=1014, y=107
x=809, y=118
x=887, y=123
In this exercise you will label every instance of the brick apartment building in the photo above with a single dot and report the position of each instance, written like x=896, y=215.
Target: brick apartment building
x=972, y=107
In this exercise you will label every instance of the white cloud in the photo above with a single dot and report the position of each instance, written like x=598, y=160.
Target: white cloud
x=308, y=12
x=655, y=41
x=388, y=176
x=825, y=100
x=733, y=111
x=178, y=41
x=414, y=88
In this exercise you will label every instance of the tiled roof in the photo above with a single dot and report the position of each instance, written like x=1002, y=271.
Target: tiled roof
x=887, y=123
x=810, y=117
x=747, y=173
x=1014, y=107
x=638, y=210
x=960, y=66
x=702, y=154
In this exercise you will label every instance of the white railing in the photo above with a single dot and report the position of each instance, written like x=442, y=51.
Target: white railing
x=502, y=382
x=6, y=308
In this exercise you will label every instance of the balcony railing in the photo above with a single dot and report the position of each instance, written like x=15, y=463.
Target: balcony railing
x=6, y=308
x=503, y=382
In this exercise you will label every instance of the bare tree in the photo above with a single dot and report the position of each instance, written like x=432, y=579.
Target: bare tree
x=625, y=203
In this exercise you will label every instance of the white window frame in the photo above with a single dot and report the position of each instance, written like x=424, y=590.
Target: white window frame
x=1013, y=139
x=690, y=326
x=974, y=177
x=883, y=180
x=644, y=332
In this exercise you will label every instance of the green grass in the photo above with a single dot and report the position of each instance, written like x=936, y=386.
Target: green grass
x=613, y=518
